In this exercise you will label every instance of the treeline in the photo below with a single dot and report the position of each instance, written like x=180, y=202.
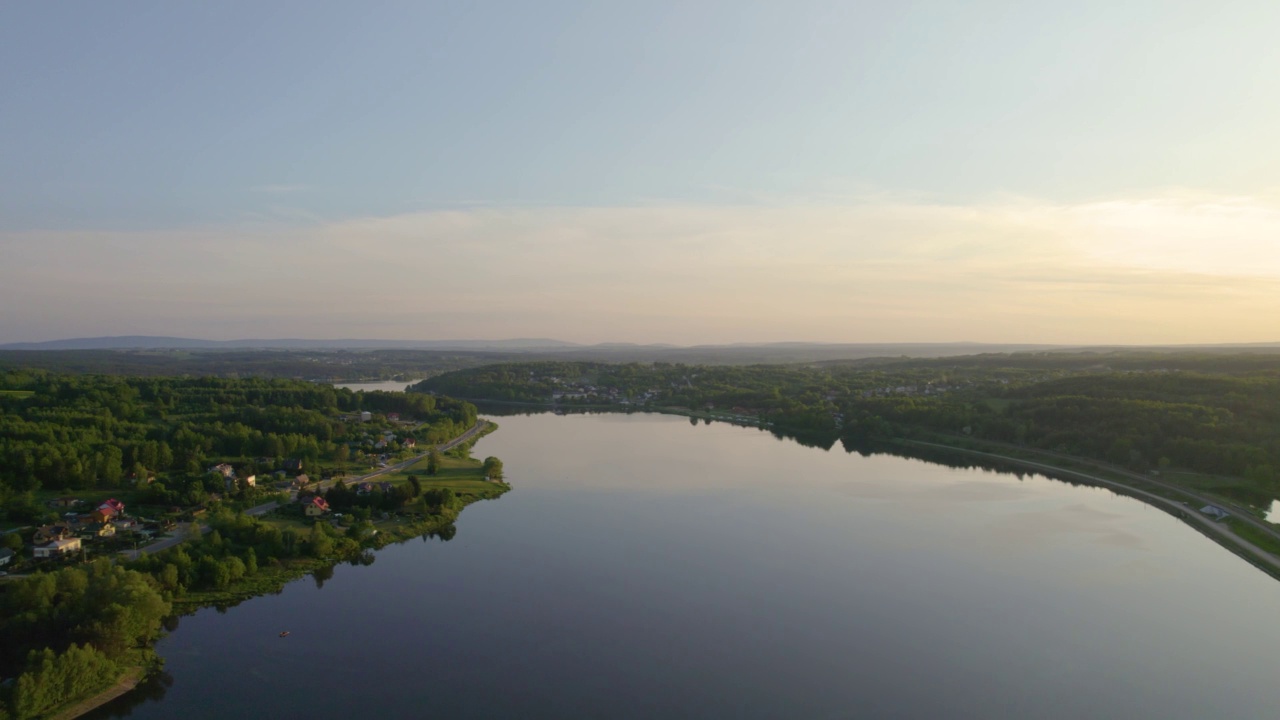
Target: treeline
x=1141, y=410
x=320, y=365
x=73, y=631
x=88, y=431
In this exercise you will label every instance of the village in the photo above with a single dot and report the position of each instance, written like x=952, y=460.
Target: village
x=86, y=528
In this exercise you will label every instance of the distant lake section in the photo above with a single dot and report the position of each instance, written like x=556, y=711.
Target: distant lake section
x=644, y=566
x=385, y=385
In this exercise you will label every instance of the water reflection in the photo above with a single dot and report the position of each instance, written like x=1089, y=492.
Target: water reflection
x=650, y=567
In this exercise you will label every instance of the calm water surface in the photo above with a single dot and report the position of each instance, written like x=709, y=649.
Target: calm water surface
x=644, y=567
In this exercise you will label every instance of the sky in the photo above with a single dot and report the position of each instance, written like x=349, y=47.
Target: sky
x=680, y=172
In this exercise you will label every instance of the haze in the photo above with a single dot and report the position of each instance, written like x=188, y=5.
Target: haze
x=1090, y=172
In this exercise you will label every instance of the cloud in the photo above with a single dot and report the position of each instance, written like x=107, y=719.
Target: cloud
x=1174, y=268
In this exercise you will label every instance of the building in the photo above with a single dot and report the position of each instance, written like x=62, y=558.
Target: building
x=101, y=530
x=316, y=507
x=366, y=416
x=64, y=502
x=231, y=482
x=57, y=548
x=223, y=469
x=5, y=556
x=51, y=533
x=125, y=524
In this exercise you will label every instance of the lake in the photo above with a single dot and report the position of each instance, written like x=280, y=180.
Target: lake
x=646, y=567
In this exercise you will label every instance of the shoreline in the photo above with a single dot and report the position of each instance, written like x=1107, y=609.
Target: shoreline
x=399, y=532
x=1217, y=531
x=1214, y=530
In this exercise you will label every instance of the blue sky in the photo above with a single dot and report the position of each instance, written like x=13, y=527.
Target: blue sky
x=281, y=123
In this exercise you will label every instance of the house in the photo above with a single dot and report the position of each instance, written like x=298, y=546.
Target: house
x=409, y=443
x=364, y=488
x=366, y=416
x=316, y=506
x=393, y=417
x=57, y=548
x=51, y=533
x=125, y=523
x=64, y=502
x=231, y=482
x=302, y=481
x=224, y=470
x=293, y=465
x=114, y=505
x=386, y=487
x=5, y=556
x=101, y=530
x=380, y=445
x=102, y=514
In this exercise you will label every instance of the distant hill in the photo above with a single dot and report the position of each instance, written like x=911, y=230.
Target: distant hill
x=148, y=342
x=549, y=349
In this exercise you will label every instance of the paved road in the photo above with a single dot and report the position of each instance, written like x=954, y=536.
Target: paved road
x=265, y=508
x=1181, y=510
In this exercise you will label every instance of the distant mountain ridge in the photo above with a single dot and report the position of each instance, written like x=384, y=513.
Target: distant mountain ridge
x=790, y=351
x=152, y=342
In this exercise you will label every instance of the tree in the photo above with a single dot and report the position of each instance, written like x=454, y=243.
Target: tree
x=493, y=468
x=320, y=543
x=433, y=461
x=416, y=485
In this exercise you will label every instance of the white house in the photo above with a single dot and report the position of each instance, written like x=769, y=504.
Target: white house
x=57, y=548
x=232, y=482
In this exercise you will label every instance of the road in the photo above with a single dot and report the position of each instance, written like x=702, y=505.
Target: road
x=180, y=535
x=476, y=429
x=1212, y=528
x=1236, y=511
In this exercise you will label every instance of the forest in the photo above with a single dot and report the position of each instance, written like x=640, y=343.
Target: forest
x=1210, y=413
x=69, y=628
x=317, y=365
x=70, y=433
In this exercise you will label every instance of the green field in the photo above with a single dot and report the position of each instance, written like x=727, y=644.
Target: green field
x=20, y=394
x=464, y=477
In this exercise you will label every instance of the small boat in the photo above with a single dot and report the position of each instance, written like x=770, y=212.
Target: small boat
x=284, y=634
